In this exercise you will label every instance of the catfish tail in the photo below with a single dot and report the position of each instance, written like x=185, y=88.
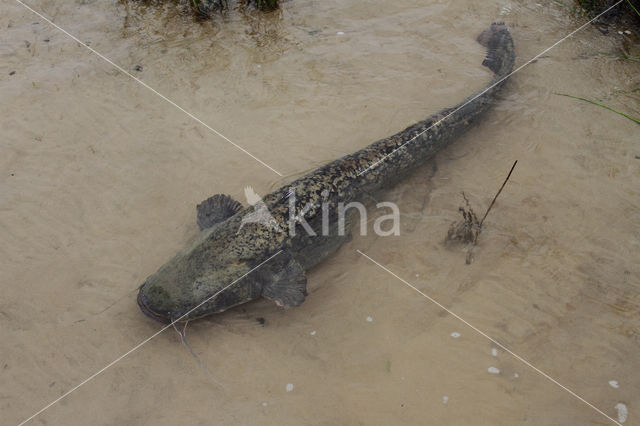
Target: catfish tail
x=386, y=161
x=500, y=51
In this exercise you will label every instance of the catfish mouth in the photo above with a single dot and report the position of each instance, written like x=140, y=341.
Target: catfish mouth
x=143, y=305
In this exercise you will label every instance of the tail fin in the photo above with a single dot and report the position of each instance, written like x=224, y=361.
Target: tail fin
x=500, y=51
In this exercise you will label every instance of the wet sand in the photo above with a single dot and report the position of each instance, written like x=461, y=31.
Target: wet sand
x=100, y=179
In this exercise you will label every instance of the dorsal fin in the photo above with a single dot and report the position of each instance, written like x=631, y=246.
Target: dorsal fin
x=216, y=209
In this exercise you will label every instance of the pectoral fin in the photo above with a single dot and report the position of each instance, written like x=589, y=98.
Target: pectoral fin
x=284, y=282
x=216, y=209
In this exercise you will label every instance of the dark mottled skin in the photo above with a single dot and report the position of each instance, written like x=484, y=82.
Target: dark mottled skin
x=225, y=252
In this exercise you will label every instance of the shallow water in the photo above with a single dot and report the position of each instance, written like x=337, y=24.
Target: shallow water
x=100, y=178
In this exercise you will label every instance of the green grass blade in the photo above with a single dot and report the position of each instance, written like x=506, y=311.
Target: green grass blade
x=635, y=120
x=633, y=7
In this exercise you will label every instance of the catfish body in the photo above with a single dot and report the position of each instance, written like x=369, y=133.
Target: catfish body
x=219, y=269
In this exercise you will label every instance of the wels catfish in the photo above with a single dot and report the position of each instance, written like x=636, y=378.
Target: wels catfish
x=235, y=260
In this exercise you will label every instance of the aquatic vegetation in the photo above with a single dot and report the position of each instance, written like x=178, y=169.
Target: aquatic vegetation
x=627, y=13
x=467, y=230
x=629, y=9
x=597, y=6
x=204, y=8
x=633, y=7
x=266, y=4
x=621, y=56
x=635, y=120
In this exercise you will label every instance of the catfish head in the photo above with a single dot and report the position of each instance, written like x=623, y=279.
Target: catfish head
x=223, y=267
x=200, y=272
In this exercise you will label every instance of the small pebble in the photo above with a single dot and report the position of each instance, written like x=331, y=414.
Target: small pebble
x=620, y=32
x=493, y=370
x=445, y=399
x=516, y=375
x=455, y=334
x=627, y=32
x=494, y=352
x=369, y=319
x=46, y=40
x=12, y=73
x=614, y=384
x=289, y=387
x=138, y=68
x=313, y=333
x=264, y=404
x=623, y=413
x=417, y=275
x=340, y=33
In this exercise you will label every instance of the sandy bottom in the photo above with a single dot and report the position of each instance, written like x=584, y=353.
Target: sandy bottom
x=100, y=178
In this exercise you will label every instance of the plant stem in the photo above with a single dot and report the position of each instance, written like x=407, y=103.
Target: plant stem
x=499, y=191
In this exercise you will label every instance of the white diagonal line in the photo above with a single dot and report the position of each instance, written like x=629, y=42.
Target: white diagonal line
x=515, y=355
x=115, y=361
x=122, y=70
x=487, y=89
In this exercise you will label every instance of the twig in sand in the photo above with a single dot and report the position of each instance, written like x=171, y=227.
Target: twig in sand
x=499, y=191
x=468, y=229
